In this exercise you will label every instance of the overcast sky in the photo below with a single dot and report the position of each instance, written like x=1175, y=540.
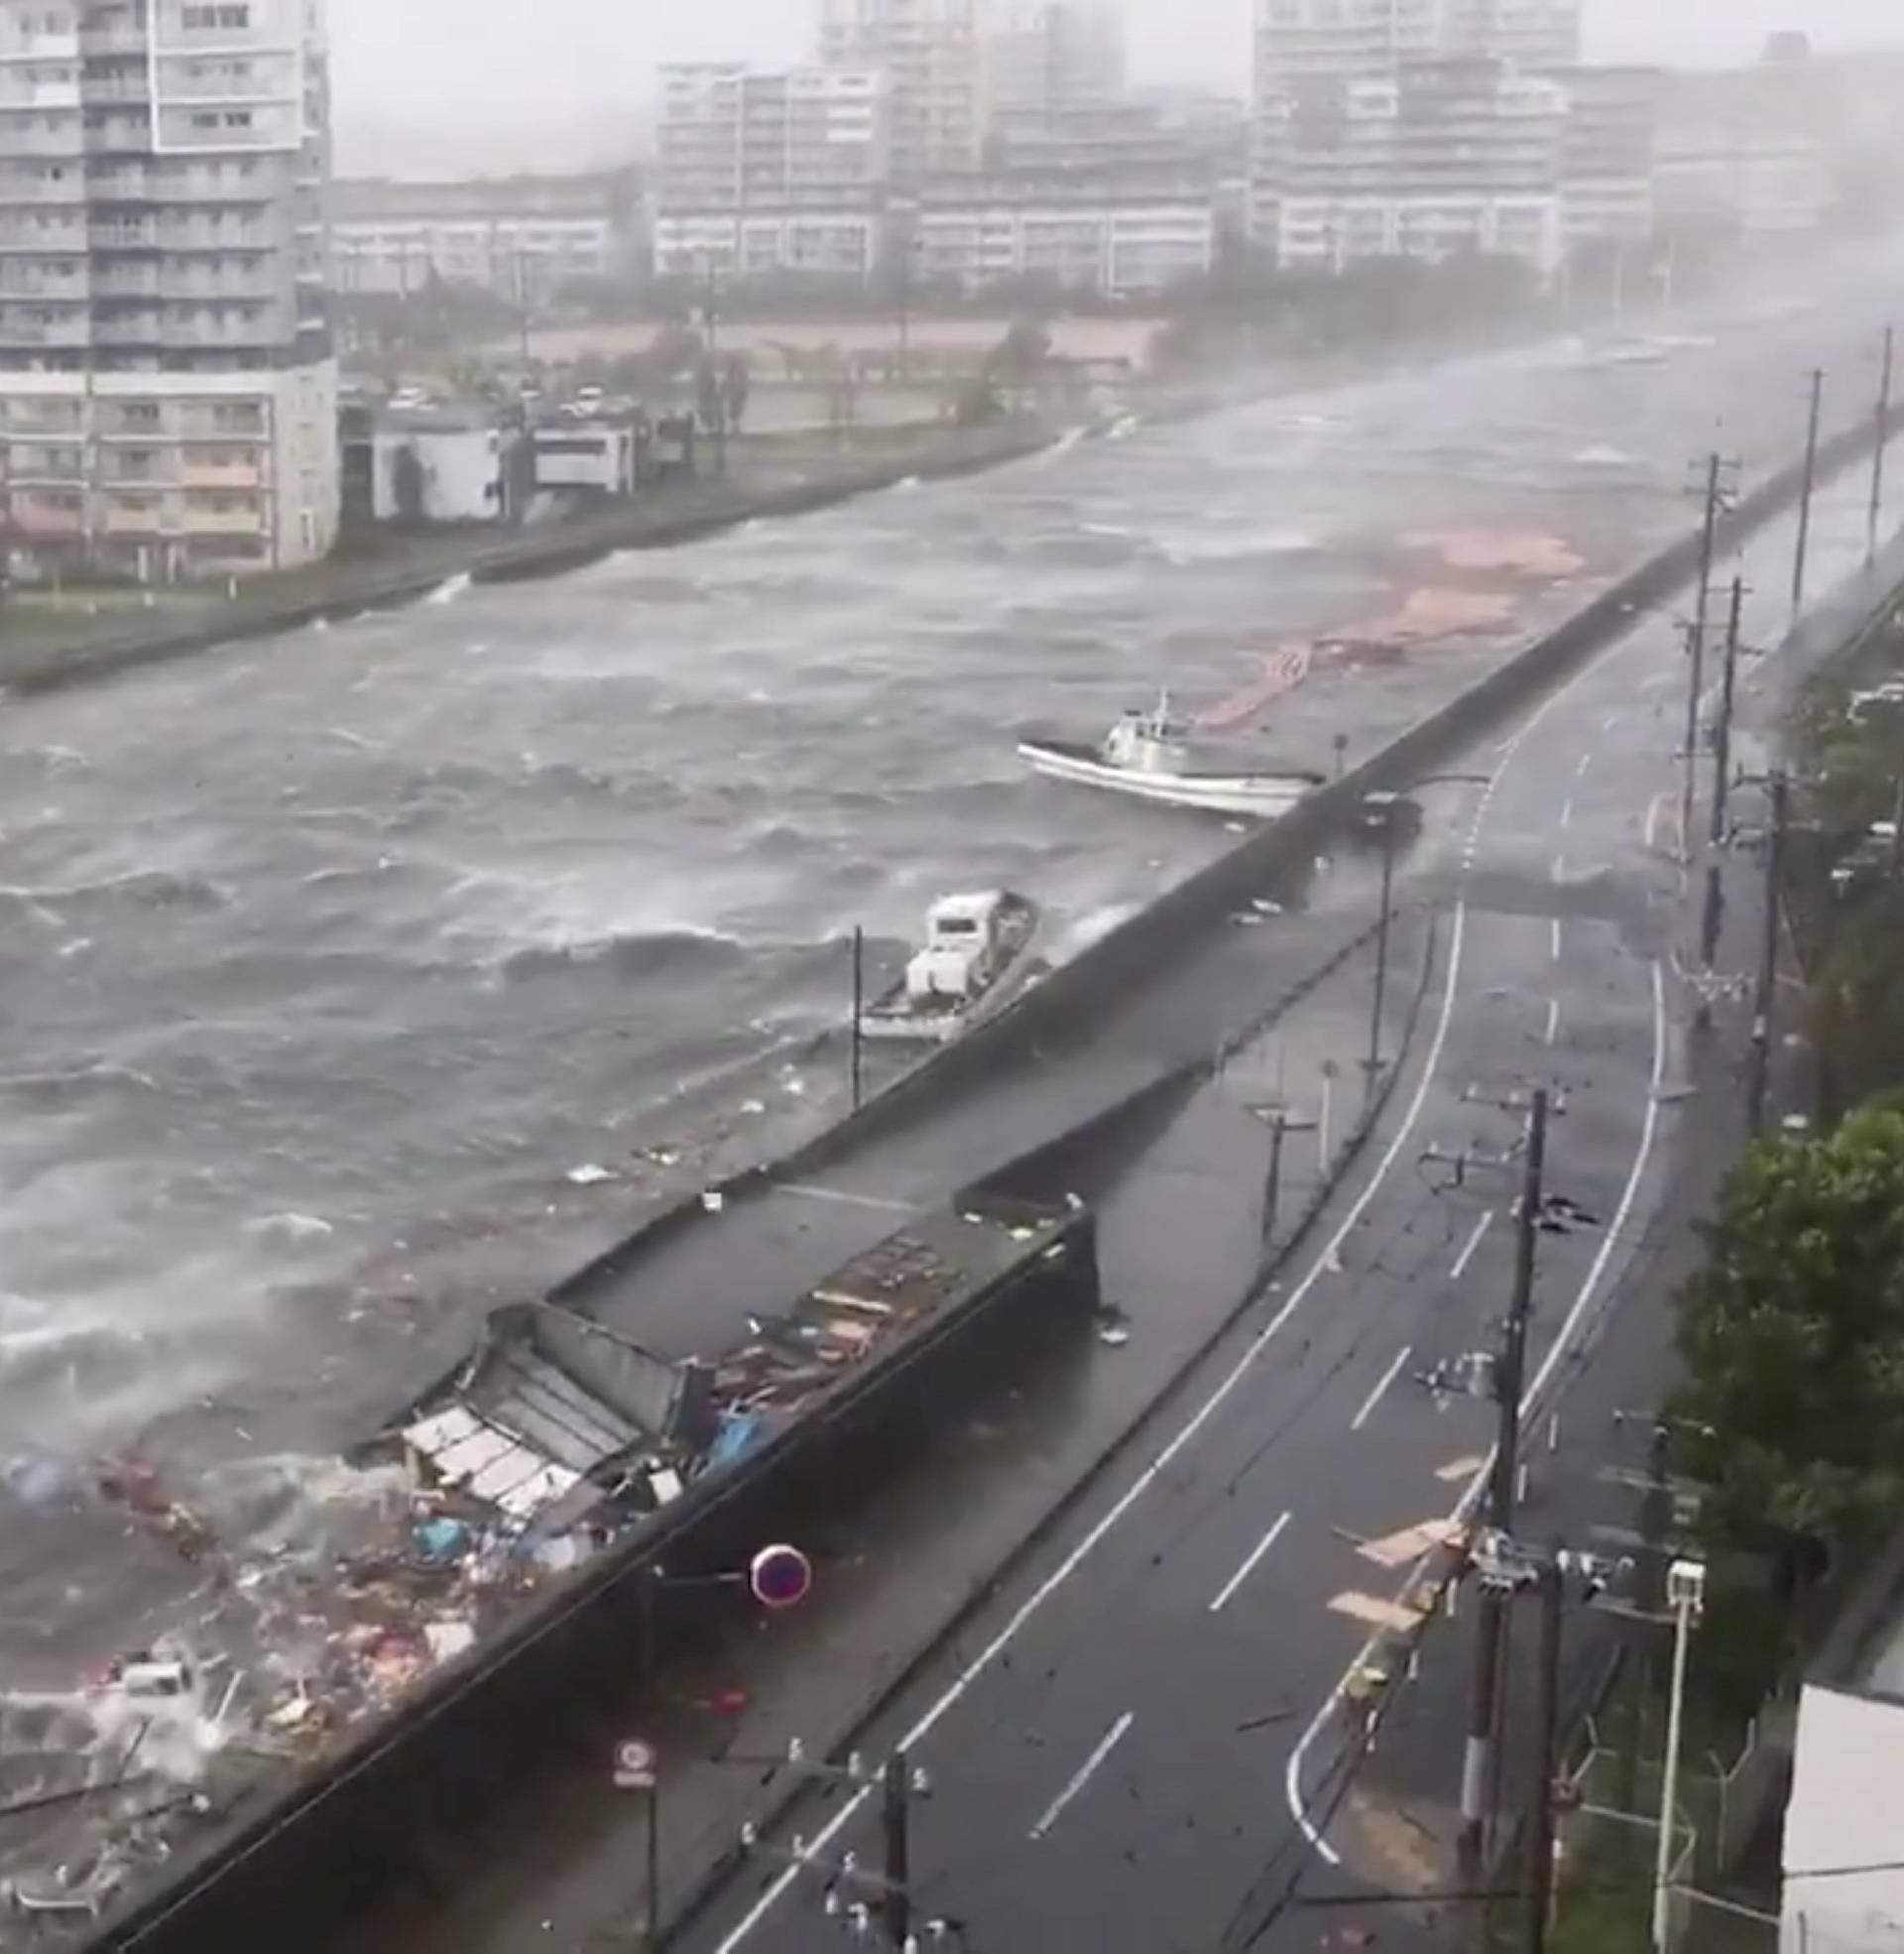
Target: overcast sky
x=418, y=80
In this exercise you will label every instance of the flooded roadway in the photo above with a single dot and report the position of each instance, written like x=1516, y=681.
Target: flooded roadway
x=331, y=958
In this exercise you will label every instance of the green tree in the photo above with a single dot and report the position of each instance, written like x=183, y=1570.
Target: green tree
x=1793, y=1339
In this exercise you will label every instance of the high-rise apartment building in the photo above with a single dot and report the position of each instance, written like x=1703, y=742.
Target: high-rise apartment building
x=1608, y=155
x=167, y=392
x=932, y=53
x=1304, y=47
x=1536, y=34
x=1438, y=158
x=1046, y=58
x=771, y=170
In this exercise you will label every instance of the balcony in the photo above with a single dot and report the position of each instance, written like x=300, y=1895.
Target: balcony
x=112, y=43
x=70, y=334
x=213, y=518
x=43, y=192
x=232, y=476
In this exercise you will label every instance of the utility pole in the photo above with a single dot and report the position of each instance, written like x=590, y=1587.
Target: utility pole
x=1540, y=1834
x=1383, y=806
x=1805, y=495
x=1721, y=768
x=898, y=1860
x=1880, y=436
x=1765, y=1008
x=1478, y=1759
x=859, y=1011
x=1696, y=679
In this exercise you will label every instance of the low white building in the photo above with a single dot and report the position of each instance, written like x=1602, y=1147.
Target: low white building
x=439, y=469
x=1843, y=1854
x=840, y=242
x=604, y=455
x=1118, y=241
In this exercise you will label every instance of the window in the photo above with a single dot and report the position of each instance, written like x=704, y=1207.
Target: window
x=203, y=19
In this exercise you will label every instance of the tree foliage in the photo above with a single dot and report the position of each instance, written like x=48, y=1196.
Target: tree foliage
x=1793, y=1340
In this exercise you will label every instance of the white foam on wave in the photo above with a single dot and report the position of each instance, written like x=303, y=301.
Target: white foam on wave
x=448, y=593
x=1603, y=456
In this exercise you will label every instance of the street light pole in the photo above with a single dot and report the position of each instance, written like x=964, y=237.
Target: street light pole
x=1702, y=603
x=1686, y=1589
x=1540, y=1834
x=859, y=1011
x=898, y=1852
x=1385, y=805
x=1805, y=496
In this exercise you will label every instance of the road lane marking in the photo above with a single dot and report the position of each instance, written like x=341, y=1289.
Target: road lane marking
x=1567, y=812
x=1556, y=940
x=1297, y=1804
x=1376, y=1396
x=1107, y=1744
x=1586, y=761
x=1560, y=868
x=1464, y=1468
x=1469, y=1247
x=1552, y=1021
x=1249, y=1567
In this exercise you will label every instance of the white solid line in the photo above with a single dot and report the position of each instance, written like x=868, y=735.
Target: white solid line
x=1249, y=1567
x=1376, y=1396
x=1110, y=1740
x=1553, y=1020
x=1469, y=1247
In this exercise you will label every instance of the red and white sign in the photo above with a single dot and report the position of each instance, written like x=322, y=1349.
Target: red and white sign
x=779, y=1577
x=634, y=1765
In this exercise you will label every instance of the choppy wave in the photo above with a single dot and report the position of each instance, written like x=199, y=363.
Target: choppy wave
x=448, y=592
x=149, y=889
x=631, y=953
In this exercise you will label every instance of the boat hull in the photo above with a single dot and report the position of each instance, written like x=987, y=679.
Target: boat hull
x=891, y=1018
x=1258, y=796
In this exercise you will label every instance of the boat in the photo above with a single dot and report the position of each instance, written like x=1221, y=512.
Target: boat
x=975, y=958
x=1150, y=755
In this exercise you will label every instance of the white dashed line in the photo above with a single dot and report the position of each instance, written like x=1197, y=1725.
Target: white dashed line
x=1556, y=940
x=1552, y=1021
x=1469, y=1247
x=1106, y=1745
x=1380, y=1390
x=1249, y=1567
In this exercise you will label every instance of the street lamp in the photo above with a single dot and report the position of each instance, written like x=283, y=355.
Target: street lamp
x=1686, y=1594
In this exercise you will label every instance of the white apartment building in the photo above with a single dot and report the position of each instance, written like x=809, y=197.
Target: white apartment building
x=1441, y=157
x=1536, y=34
x=1305, y=46
x=771, y=170
x=167, y=393
x=1044, y=58
x=1118, y=241
x=1742, y=153
x=521, y=237
x=933, y=51
x=1607, y=156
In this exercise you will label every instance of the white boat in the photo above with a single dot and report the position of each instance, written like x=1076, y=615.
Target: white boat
x=1149, y=754
x=975, y=958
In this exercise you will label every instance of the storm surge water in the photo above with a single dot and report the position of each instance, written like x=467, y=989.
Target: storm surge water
x=357, y=982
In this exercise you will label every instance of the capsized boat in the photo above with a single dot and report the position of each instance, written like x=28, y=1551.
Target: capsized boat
x=1150, y=755
x=975, y=959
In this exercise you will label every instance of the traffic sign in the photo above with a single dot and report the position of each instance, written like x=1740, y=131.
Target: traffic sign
x=634, y=1765
x=780, y=1576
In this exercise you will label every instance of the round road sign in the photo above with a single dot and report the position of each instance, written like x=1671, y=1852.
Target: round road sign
x=635, y=1763
x=780, y=1576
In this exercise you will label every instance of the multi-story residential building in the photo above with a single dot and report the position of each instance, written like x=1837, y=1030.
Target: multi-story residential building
x=521, y=237
x=1442, y=157
x=1742, y=152
x=1306, y=46
x=1047, y=58
x=932, y=51
x=167, y=393
x=1537, y=33
x=1117, y=238
x=1607, y=156
x=771, y=170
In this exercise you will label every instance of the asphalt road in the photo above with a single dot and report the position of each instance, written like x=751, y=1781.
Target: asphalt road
x=1133, y=1749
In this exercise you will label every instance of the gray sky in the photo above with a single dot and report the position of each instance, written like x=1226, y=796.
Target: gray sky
x=460, y=83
